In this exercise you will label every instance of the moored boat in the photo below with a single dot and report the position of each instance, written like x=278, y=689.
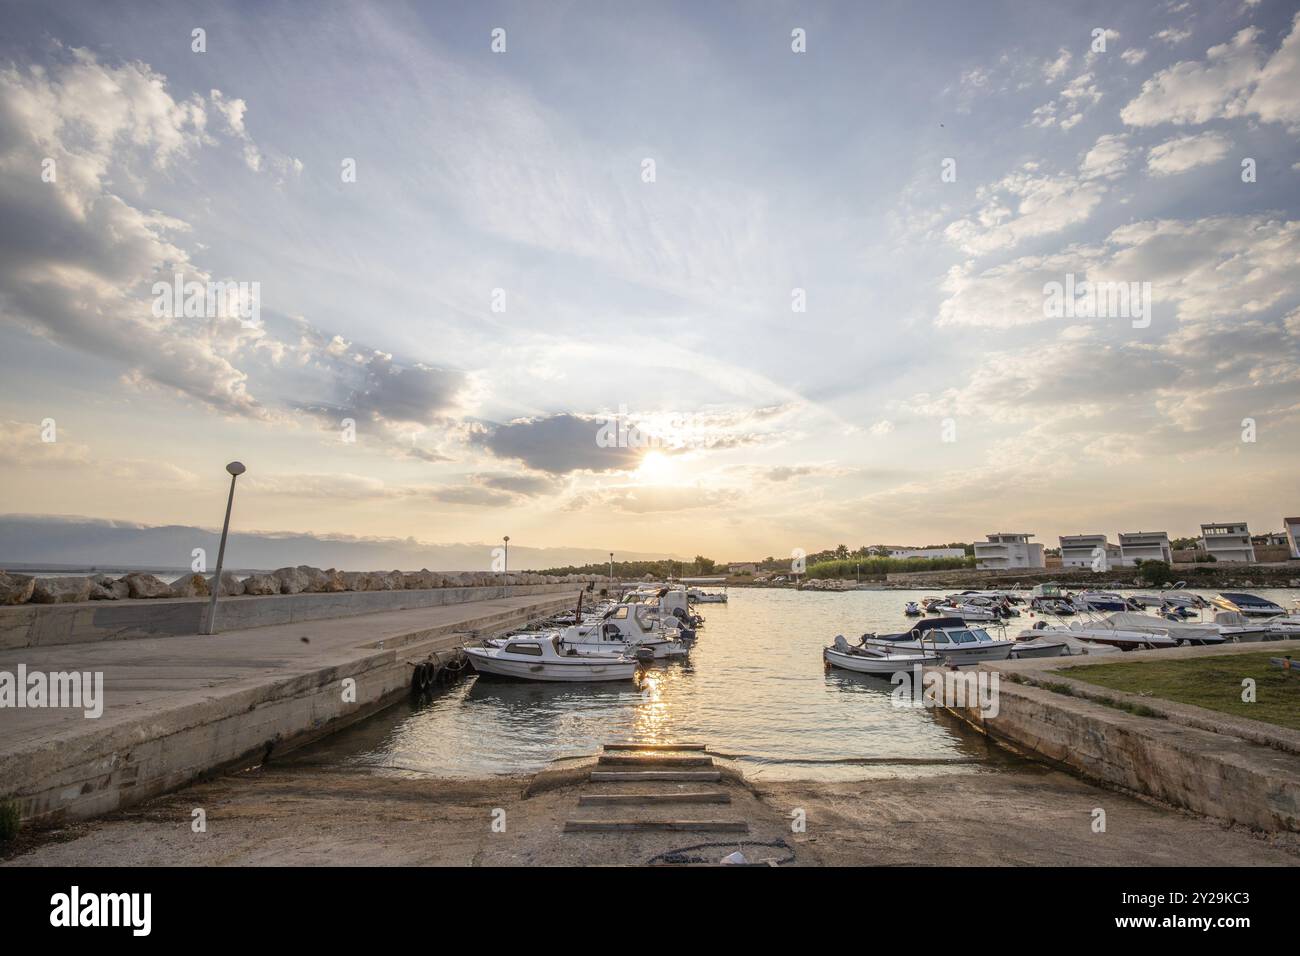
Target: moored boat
x=873, y=660
x=540, y=658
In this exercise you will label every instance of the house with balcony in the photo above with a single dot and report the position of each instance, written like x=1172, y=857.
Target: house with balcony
x=1292, y=528
x=1006, y=549
x=1088, y=551
x=1228, y=541
x=1135, y=546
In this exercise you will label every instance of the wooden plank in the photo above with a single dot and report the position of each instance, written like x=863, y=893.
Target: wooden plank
x=650, y=763
x=633, y=746
x=682, y=776
x=627, y=826
x=623, y=799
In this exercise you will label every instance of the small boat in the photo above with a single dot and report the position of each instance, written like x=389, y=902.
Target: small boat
x=913, y=609
x=971, y=612
x=1183, y=632
x=539, y=657
x=931, y=604
x=948, y=637
x=1248, y=604
x=1101, y=601
x=706, y=597
x=1236, y=627
x=872, y=660
x=1043, y=634
x=1058, y=607
x=1032, y=647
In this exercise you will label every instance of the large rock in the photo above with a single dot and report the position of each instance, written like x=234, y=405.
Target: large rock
x=104, y=587
x=191, y=585
x=231, y=585
x=333, y=580
x=142, y=585
x=60, y=590
x=292, y=580
x=354, y=580
x=16, y=588
x=261, y=584
x=419, y=580
x=316, y=579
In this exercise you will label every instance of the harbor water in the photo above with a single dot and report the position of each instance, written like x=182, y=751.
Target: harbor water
x=754, y=688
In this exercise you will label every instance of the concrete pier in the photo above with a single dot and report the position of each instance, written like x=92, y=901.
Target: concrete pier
x=178, y=707
x=1231, y=768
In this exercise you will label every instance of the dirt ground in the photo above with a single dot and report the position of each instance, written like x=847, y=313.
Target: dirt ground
x=295, y=815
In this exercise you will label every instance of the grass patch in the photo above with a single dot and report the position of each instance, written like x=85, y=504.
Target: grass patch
x=1210, y=682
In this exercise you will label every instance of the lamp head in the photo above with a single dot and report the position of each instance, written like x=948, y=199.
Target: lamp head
x=236, y=468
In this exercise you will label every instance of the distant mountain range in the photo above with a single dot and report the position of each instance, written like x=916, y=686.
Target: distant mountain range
x=56, y=542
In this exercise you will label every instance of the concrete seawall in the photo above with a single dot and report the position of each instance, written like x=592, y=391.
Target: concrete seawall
x=182, y=706
x=45, y=625
x=1233, y=769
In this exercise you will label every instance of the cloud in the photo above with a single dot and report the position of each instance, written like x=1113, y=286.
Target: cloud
x=1186, y=152
x=1235, y=79
x=1217, y=267
x=557, y=444
x=1025, y=204
x=1108, y=157
x=1133, y=55
x=1172, y=35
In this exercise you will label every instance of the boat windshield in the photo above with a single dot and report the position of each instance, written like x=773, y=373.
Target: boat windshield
x=980, y=634
x=962, y=637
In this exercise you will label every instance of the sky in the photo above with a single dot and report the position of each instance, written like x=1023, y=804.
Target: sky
x=728, y=278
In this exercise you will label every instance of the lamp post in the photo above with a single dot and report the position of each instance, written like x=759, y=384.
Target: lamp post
x=505, y=558
x=611, y=567
x=235, y=469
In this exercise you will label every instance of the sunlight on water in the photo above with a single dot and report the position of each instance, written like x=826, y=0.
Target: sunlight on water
x=754, y=687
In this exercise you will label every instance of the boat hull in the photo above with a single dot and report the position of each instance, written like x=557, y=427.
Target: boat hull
x=879, y=666
x=583, y=671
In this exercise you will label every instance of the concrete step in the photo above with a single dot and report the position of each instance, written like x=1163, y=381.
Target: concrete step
x=632, y=826
x=655, y=747
x=652, y=763
x=637, y=799
x=632, y=776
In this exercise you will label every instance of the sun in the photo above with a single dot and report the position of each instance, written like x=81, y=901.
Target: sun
x=657, y=469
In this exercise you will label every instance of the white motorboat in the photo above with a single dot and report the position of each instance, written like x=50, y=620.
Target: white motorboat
x=1236, y=627
x=1250, y=605
x=970, y=612
x=1184, y=632
x=873, y=660
x=949, y=638
x=1283, y=628
x=539, y=657
x=1028, y=648
x=913, y=609
x=706, y=597
x=628, y=629
x=1126, y=639
x=1043, y=635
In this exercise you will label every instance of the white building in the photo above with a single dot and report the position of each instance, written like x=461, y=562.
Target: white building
x=1006, y=549
x=1088, y=551
x=1228, y=541
x=1292, y=528
x=1135, y=546
x=927, y=552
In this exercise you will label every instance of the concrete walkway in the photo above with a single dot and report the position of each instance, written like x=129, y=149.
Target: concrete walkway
x=176, y=707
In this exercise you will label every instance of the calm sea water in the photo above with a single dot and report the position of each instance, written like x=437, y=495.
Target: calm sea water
x=754, y=688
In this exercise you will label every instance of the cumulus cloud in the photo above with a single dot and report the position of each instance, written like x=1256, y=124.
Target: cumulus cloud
x=1235, y=79
x=1186, y=152
x=1025, y=204
x=1218, y=267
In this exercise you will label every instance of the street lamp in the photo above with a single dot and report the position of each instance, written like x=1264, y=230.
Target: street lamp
x=505, y=558
x=611, y=567
x=235, y=468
